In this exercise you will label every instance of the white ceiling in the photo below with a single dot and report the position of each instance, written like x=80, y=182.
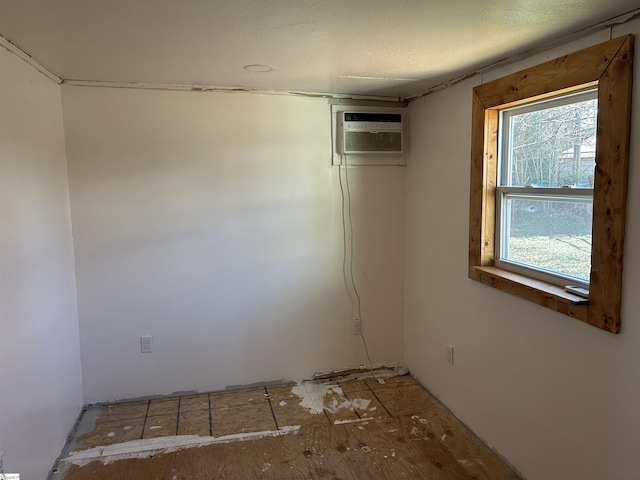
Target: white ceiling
x=397, y=48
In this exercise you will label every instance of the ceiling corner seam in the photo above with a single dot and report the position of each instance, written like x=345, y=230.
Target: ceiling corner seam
x=12, y=48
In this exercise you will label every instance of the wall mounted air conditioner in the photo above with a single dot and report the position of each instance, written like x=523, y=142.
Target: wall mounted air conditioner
x=368, y=135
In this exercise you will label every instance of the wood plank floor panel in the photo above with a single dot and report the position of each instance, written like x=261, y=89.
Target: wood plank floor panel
x=453, y=455
x=375, y=453
x=194, y=423
x=123, y=411
x=366, y=404
x=160, y=426
x=338, y=408
x=401, y=457
x=239, y=397
x=408, y=400
x=110, y=433
x=393, y=382
x=462, y=444
x=242, y=419
x=319, y=452
x=287, y=410
x=342, y=415
x=292, y=414
x=252, y=459
x=367, y=430
x=349, y=386
x=194, y=403
x=163, y=407
x=282, y=392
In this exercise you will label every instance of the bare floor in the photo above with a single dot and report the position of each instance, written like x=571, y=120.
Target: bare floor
x=352, y=429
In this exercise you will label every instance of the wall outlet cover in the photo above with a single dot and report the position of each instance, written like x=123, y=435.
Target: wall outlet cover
x=146, y=344
x=357, y=326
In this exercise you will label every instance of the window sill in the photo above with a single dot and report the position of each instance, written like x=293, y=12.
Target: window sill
x=536, y=291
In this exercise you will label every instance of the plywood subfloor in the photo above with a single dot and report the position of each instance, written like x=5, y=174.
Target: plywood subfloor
x=363, y=430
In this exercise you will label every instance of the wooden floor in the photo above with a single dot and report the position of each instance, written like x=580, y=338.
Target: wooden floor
x=363, y=429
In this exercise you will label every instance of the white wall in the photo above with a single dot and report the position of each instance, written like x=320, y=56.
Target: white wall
x=212, y=222
x=558, y=398
x=40, y=377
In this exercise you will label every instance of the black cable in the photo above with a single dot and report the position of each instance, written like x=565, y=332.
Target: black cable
x=344, y=260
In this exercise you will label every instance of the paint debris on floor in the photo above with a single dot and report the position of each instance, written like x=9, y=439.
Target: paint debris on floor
x=352, y=428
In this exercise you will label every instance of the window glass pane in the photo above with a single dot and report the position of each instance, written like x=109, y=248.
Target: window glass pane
x=551, y=144
x=551, y=234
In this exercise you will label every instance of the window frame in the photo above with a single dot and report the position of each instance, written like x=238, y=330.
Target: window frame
x=505, y=188
x=607, y=67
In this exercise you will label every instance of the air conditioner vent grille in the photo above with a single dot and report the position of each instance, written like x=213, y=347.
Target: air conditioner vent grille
x=368, y=135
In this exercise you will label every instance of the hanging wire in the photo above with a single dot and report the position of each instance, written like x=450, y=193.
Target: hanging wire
x=347, y=218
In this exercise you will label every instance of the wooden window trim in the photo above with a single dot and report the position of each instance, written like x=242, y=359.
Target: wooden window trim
x=607, y=66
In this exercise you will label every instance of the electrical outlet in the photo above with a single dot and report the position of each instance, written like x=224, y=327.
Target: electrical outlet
x=450, y=354
x=357, y=326
x=146, y=344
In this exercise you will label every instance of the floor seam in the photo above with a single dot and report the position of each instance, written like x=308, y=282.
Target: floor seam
x=144, y=423
x=210, y=417
x=381, y=403
x=178, y=416
x=273, y=414
x=355, y=410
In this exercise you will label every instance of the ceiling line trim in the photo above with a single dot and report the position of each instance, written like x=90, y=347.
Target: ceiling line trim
x=220, y=89
x=607, y=24
x=24, y=56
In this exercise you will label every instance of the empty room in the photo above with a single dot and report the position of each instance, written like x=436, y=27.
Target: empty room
x=319, y=239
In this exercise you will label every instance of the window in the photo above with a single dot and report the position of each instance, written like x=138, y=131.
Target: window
x=546, y=169
x=548, y=182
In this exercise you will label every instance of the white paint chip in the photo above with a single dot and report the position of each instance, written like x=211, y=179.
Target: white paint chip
x=315, y=398
x=354, y=420
x=313, y=395
x=148, y=447
x=361, y=404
